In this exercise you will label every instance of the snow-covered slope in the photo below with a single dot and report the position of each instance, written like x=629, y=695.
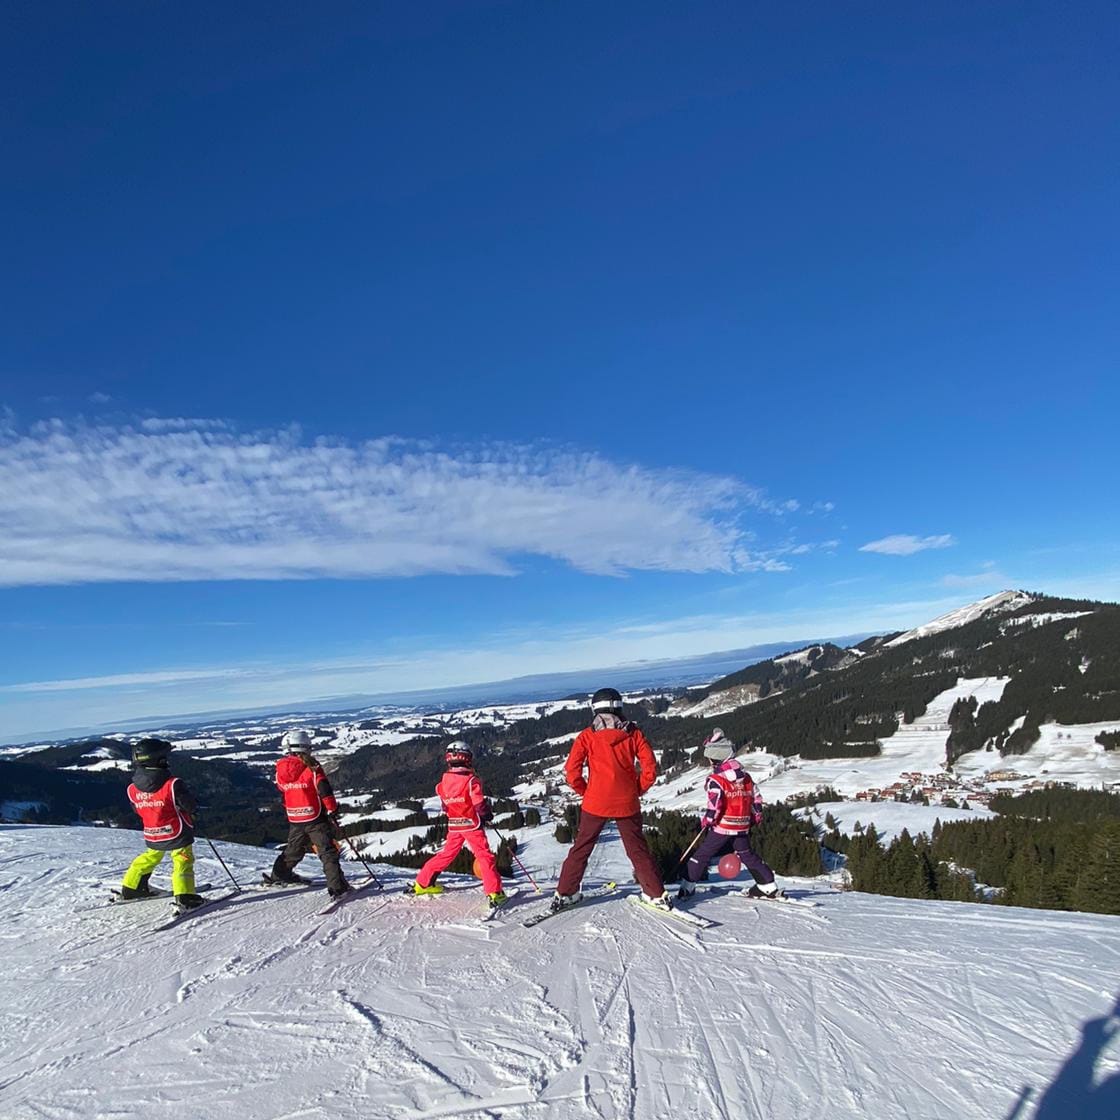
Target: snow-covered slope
x=399, y=1009
x=889, y=817
x=913, y=758
x=1000, y=603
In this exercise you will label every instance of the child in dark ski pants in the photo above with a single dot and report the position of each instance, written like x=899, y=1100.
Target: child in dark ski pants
x=734, y=807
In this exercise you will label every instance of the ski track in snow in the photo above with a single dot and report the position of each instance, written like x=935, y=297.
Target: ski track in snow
x=396, y=1008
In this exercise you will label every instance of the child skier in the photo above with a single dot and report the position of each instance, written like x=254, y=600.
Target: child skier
x=468, y=812
x=734, y=808
x=166, y=808
x=620, y=768
x=312, y=815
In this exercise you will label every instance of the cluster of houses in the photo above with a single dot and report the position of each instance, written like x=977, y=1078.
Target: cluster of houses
x=943, y=786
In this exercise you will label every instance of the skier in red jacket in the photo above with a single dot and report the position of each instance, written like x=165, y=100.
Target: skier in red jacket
x=167, y=809
x=734, y=808
x=468, y=812
x=620, y=767
x=312, y=815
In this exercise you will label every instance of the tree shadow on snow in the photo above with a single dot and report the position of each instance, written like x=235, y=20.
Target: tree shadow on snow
x=1073, y=1093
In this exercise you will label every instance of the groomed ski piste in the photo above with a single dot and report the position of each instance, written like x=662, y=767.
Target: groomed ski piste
x=260, y=1008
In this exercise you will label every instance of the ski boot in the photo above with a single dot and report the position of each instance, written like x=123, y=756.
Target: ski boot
x=773, y=895
x=141, y=890
x=185, y=902
x=686, y=889
x=434, y=888
x=563, y=901
x=659, y=902
x=290, y=880
x=497, y=900
x=339, y=891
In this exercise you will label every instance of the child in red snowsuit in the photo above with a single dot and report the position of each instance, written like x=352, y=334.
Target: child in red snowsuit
x=468, y=812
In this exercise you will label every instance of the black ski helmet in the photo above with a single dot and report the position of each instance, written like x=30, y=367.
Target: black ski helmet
x=151, y=753
x=607, y=700
x=458, y=754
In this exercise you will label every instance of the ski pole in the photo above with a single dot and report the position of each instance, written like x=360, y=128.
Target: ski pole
x=358, y=856
x=524, y=869
x=236, y=884
x=688, y=850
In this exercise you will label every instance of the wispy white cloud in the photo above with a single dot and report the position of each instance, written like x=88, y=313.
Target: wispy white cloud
x=905, y=544
x=188, y=499
x=125, y=680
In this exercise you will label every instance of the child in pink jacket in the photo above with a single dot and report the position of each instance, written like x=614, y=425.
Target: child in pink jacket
x=468, y=811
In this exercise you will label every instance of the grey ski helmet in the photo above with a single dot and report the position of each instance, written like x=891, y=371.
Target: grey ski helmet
x=607, y=700
x=297, y=740
x=717, y=746
x=458, y=754
x=151, y=753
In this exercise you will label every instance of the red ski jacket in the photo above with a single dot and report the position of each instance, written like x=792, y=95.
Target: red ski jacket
x=305, y=788
x=620, y=767
x=164, y=820
x=463, y=800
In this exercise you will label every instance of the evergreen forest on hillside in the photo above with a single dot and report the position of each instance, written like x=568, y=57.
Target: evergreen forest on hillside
x=1050, y=849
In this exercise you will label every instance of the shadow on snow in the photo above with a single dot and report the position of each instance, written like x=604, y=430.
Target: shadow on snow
x=1073, y=1093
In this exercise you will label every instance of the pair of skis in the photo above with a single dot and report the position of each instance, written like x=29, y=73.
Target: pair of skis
x=744, y=893
x=672, y=914
x=269, y=883
x=676, y=913
x=548, y=912
x=179, y=913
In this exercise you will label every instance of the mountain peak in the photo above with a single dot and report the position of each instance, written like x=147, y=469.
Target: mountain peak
x=1002, y=602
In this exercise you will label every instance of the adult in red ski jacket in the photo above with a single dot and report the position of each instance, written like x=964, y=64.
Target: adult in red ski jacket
x=312, y=815
x=610, y=766
x=734, y=807
x=167, y=809
x=468, y=812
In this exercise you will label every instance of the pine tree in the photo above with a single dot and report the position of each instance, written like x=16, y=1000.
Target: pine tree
x=1099, y=888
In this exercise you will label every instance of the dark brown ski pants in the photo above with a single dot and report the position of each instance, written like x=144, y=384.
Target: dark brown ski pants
x=630, y=830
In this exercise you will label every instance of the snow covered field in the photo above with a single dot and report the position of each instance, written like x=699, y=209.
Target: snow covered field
x=401, y=1009
x=891, y=817
x=1063, y=753
x=1067, y=753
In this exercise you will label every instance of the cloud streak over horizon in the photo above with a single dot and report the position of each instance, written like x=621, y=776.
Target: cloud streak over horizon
x=184, y=499
x=906, y=544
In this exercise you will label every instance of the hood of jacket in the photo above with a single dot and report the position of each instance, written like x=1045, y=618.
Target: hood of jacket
x=289, y=768
x=731, y=769
x=150, y=778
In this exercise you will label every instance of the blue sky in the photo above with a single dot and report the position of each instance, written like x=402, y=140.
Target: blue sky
x=413, y=345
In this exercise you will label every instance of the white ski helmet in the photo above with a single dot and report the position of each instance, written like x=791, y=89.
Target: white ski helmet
x=297, y=739
x=458, y=754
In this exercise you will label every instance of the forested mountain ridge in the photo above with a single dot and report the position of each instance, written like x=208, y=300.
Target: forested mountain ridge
x=1062, y=658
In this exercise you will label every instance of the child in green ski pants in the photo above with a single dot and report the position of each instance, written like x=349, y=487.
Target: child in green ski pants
x=167, y=809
